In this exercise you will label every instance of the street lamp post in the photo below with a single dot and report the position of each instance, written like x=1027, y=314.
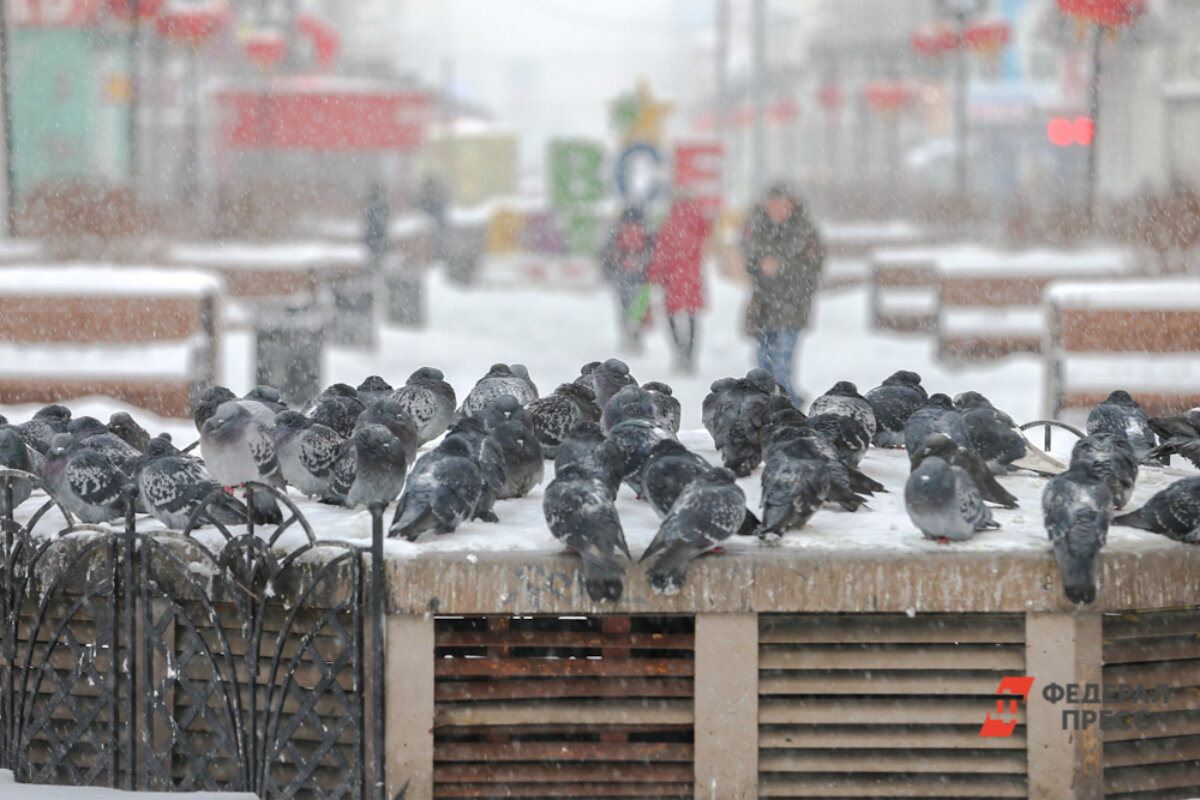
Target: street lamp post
x=962, y=12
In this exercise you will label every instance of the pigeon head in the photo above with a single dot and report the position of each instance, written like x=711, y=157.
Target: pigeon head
x=722, y=385
x=3, y=420
x=60, y=445
x=941, y=401
x=903, y=377
x=718, y=476
x=506, y=404
x=54, y=411
x=616, y=366
x=454, y=446
x=631, y=401
x=386, y=407
x=578, y=391
x=13, y=453
x=291, y=420
x=657, y=386
x=426, y=374
x=86, y=426
x=520, y=370
x=208, y=401
x=1121, y=398
x=468, y=425
x=762, y=380
x=227, y=422
x=162, y=445
x=499, y=371
x=340, y=390
x=844, y=389
x=932, y=479
x=788, y=417
x=266, y=394
x=374, y=383
x=937, y=445
x=377, y=442
x=590, y=367
x=964, y=401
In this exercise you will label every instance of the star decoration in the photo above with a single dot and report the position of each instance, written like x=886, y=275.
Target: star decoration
x=638, y=116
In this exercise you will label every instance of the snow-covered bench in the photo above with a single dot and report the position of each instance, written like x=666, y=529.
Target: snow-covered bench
x=1142, y=336
x=858, y=239
x=990, y=301
x=142, y=335
x=904, y=288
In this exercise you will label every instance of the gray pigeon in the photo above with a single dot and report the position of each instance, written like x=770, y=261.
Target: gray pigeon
x=942, y=446
x=1109, y=458
x=269, y=396
x=524, y=465
x=1077, y=509
x=944, y=503
x=846, y=434
x=669, y=468
x=264, y=410
x=123, y=426
x=666, y=408
x=14, y=454
x=429, y=400
x=707, y=512
x=556, y=414
x=389, y=414
x=580, y=513
x=844, y=400
x=498, y=381
x=379, y=467
x=1173, y=512
x=490, y=460
x=735, y=413
x=635, y=438
x=631, y=402
x=506, y=408
x=45, y=424
x=441, y=492
x=893, y=402
x=373, y=389
x=237, y=449
x=173, y=485
x=586, y=447
x=938, y=415
x=794, y=485
x=998, y=440
x=83, y=480
x=848, y=485
x=337, y=407
x=306, y=452
x=1121, y=414
x=605, y=378
x=1178, y=436
x=91, y=433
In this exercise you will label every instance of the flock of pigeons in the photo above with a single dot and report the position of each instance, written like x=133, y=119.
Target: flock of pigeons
x=358, y=447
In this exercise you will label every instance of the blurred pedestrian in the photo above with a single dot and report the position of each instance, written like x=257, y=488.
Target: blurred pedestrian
x=678, y=251
x=624, y=261
x=379, y=213
x=784, y=257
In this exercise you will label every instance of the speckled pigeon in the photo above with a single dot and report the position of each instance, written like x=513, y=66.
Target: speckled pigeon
x=1119, y=413
x=441, y=492
x=556, y=414
x=83, y=480
x=1173, y=512
x=938, y=415
x=1178, y=436
x=306, y=451
x=605, y=378
x=942, y=446
x=498, y=381
x=587, y=448
x=173, y=485
x=844, y=400
x=794, y=486
x=666, y=408
x=429, y=400
x=893, y=402
x=944, y=503
x=1077, y=509
x=580, y=513
x=237, y=449
x=1108, y=457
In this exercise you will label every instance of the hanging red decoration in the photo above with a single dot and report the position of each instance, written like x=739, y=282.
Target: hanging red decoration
x=192, y=24
x=888, y=97
x=325, y=40
x=266, y=48
x=934, y=40
x=1109, y=13
x=123, y=9
x=987, y=37
x=829, y=96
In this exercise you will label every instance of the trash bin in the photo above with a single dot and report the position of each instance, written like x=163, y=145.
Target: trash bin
x=288, y=344
x=353, y=320
x=405, y=291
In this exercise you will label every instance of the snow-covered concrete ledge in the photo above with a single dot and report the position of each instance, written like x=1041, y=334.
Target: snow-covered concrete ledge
x=11, y=790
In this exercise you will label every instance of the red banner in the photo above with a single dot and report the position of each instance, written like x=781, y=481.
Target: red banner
x=332, y=120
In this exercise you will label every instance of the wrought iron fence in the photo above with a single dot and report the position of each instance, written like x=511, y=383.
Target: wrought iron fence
x=204, y=659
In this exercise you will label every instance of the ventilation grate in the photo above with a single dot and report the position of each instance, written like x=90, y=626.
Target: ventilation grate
x=534, y=707
x=887, y=705
x=1163, y=759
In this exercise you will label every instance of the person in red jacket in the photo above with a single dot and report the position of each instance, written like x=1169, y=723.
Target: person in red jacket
x=675, y=266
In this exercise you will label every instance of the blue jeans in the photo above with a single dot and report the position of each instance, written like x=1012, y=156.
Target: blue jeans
x=776, y=351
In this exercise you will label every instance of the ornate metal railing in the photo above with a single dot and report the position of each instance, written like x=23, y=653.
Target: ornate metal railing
x=203, y=659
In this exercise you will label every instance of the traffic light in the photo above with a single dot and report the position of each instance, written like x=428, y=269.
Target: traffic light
x=1063, y=132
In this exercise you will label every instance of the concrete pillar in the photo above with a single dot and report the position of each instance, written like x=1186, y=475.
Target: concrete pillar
x=726, y=706
x=1062, y=648
x=409, y=705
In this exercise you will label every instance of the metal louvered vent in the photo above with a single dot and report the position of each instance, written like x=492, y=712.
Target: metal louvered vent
x=532, y=707
x=887, y=705
x=1159, y=756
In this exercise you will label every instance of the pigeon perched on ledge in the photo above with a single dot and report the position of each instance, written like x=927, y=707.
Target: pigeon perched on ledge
x=580, y=513
x=942, y=446
x=844, y=400
x=237, y=449
x=441, y=493
x=83, y=480
x=1179, y=436
x=1076, y=510
x=429, y=400
x=893, y=402
x=944, y=503
x=556, y=414
x=1173, y=512
x=1119, y=413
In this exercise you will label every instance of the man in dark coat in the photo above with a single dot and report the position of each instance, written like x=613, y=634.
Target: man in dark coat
x=784, y=257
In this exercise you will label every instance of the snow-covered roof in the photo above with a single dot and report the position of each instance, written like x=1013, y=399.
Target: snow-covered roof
x=98, y=280
x=1175, y=294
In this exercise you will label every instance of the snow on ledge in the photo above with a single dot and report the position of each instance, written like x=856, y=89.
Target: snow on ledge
x=107, y=280
x=171, y=360
x=978, y=261
x=1149, y=372
x=1175, y=294
x=250, y=255
x=11, y=790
